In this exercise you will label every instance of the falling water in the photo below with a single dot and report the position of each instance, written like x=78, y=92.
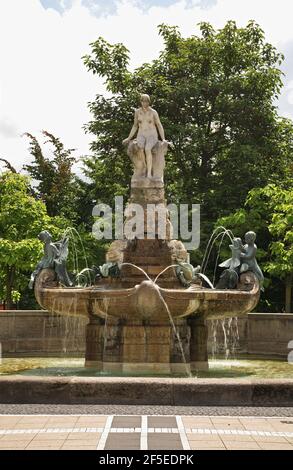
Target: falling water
x=206, y=279
x=211, y=243
x=215, y=344
x=106, y=302
x=71, y=232
x=203, y=276
x=164, y=270
x=176, y=333
x=225, y=337
x=218, y=255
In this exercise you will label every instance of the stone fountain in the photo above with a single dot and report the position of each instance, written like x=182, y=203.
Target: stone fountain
x=148, y=308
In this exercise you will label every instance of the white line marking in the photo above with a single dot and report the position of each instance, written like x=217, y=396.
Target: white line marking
x=239, y=432
x=49, y=430
x=145, y=430
x=105, y=433
x=144, y=433
x=182, y=433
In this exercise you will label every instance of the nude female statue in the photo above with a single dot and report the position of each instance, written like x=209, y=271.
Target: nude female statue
x=148, y=126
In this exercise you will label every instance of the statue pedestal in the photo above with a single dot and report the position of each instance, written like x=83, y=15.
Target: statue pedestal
x=143, y=182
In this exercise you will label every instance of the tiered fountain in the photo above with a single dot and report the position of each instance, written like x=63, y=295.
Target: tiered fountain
x=148, y=309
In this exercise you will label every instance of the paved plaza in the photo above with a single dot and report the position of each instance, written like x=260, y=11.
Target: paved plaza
x=144, y=432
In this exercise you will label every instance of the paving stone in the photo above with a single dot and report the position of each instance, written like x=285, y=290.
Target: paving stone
x=196, y=421
x=121, y=441
x=17, y=437
x=160, y=435
x=69, y=448
x=203, y=437
x=126, y=422
x=75, y=436
x=16, y=444
x=233, y=445
x=162, y=422
x=42, y=445
x=275, y=446
x=270, y=439
x=50, y=436
x=236, y=438
x=164, y=441
x=82, y=442
x=207, y=445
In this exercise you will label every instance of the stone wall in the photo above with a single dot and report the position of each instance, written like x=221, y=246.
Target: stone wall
x=260, y=334
x=39, y=333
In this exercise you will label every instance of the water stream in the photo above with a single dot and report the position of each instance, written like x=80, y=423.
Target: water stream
x=225, y=338
x=213, y=238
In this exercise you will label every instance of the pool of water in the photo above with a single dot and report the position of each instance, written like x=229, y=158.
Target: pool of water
x=237, y=368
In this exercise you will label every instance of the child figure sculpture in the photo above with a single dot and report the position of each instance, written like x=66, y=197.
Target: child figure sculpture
x=243, y=259
x=248, y=257
x=55, y=255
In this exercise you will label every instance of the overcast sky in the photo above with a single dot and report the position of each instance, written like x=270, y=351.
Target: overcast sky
x=44, y=84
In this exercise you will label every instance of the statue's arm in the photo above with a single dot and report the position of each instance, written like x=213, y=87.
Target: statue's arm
x=55, y=252
x=159, y=126
x=134, y=128
x=250, y=253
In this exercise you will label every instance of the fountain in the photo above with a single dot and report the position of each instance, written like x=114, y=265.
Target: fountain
x=148, y=308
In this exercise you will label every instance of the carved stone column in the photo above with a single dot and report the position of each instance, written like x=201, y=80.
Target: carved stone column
x=198, y=343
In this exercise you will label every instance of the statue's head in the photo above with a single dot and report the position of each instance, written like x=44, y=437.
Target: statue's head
x=45, y=236
x=250, y=237
x=145, y=100
x=237, y=242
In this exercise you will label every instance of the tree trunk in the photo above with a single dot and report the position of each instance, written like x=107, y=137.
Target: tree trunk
x=289, y=279
x=10, y=271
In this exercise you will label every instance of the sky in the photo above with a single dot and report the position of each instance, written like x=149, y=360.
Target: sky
x=45, y=85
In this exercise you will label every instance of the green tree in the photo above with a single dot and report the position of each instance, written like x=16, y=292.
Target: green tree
x=21, y=219
x=269, y=211
x=216, y=96
x=56, y=184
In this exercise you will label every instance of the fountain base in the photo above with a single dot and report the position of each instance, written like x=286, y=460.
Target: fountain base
x=138, y=348
x=141, y=368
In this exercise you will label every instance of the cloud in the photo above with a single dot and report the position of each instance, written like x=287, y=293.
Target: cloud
x=43, y=82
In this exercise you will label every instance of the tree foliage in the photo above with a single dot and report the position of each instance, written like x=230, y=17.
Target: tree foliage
x=22, y=217
x=55, y=181
x=215, y=94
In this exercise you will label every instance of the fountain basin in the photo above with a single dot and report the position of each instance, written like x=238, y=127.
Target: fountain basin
x=143, y=302
x=153, y=329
